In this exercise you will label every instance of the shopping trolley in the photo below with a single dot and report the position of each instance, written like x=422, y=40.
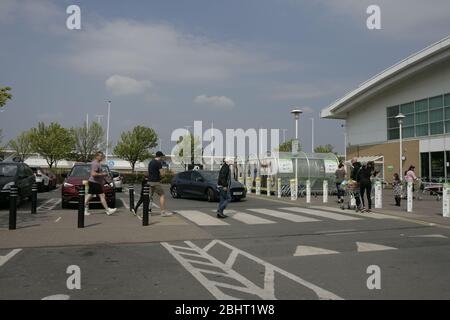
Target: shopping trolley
x=351, y=191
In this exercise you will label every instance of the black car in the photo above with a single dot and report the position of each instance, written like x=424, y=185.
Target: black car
x=203, y=185
x=15, y=173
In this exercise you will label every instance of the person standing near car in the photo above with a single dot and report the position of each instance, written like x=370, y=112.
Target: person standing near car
x=223, y=184
x=155, y=171
x=96, y=182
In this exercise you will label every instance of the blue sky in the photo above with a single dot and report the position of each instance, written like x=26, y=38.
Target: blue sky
x=164, y=64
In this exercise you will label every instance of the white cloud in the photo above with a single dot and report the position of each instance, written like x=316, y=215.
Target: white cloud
x=120, y=85
x=161, y=53
x=217, y=102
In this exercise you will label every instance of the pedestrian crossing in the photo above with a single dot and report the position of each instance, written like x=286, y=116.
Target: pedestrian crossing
x=264, y=216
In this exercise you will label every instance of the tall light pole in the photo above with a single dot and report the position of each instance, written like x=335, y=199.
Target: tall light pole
x=107, y=129
x=296, y=113
x=345, y=141
x=400, y=118
x=312, y=135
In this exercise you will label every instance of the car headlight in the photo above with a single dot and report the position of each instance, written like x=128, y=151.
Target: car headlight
x=67, y=185
x=8, y=185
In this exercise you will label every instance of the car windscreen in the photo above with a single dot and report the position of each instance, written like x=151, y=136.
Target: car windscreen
x=210, y=175
x=8, y=170
x=85, y=171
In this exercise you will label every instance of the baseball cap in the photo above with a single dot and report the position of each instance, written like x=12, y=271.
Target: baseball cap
x=159, y=154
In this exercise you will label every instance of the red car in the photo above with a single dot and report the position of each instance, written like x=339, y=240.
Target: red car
x=74, y=180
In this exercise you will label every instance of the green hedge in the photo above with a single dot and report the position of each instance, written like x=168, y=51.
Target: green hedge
x=136, y=178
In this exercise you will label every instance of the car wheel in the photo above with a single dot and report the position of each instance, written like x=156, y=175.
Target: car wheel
x=174, y=192
x=210, y=196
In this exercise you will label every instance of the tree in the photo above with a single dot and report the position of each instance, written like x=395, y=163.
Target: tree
x=135, y=145
x=52, y=142
x=88, y=141
x=5, y=96
x=287, y=146
x=324, y=149
x=21, y=145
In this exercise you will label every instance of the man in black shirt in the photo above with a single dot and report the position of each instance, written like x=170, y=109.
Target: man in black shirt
x=224, y=184
x=155, y=171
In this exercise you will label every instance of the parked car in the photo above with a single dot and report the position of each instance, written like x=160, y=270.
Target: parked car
x=15, y=173
x=118, y=180
x=42, y=179
x=203, y=185
x=74, y=180
x=53, y=179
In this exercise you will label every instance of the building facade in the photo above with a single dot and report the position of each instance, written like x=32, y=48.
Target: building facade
x=419, y=88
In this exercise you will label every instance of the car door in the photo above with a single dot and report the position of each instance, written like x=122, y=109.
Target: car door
x=184, y=184
x=197, y=185
x=30, y=179
x=22, y=182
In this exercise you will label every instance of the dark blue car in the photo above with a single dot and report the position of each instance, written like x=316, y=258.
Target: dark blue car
x=203, y=185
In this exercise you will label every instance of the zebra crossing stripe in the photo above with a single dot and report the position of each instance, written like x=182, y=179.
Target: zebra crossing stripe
x=283, y=215
x=247, y=218
x=371, y=215
x=322, y=214
x=201, y=219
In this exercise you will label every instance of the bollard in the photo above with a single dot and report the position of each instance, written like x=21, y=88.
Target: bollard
x=131, y=192
x=378, y=195
x=34, y=192
x=446, y=200
x=293, y=190
x=308, y=191
x=325, y=191
x=279, y=187
x=146, y=205
x=81, y=199
x=258, y=186
x=249, y=184
x=13, y=194
x=269, y=185
x=409, y=201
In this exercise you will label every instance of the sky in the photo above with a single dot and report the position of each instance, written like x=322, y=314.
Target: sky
x=236, y=63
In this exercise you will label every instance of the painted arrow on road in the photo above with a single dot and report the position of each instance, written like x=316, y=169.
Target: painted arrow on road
x=368, y=247
x=303, y=251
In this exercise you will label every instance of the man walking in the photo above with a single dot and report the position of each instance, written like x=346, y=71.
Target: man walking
x=96, y=182
x=356, y=167
x=223, y=184
x=155, y=171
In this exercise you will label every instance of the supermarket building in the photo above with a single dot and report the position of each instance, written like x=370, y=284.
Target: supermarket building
x=419, y=88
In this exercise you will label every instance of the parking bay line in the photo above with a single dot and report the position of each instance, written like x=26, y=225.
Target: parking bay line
x=9, y=256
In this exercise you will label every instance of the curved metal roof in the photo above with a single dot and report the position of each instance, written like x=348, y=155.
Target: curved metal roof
x=412, y=64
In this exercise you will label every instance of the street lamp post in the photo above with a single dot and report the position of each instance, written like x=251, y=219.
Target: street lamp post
x=107, y=130
x=400, y=118
x=312, y=135
x=296, y=113
x=345, y=141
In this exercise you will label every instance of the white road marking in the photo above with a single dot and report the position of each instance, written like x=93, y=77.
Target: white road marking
x=57, y=220
x=303, y=251
x=226, y=270
x=429, y=236
x=322, y=214
x=367, y=247
x=57, y=297
x=5, y=259
x=372, y=215
x=246, y=217
x=49, y=205
x=201, y=219
x=283, y=215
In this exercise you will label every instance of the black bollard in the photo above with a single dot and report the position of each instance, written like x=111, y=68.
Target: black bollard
x=146, y=205
x=131, y=191
x=81, y=199
x=34, y=192
x=13, y=194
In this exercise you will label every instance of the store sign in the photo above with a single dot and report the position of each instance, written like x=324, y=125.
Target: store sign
x=446, y=200
x=330, y=166
x=285, y=166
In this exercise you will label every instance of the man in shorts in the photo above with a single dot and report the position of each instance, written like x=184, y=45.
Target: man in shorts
x=155, y=171
x=96, y=182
